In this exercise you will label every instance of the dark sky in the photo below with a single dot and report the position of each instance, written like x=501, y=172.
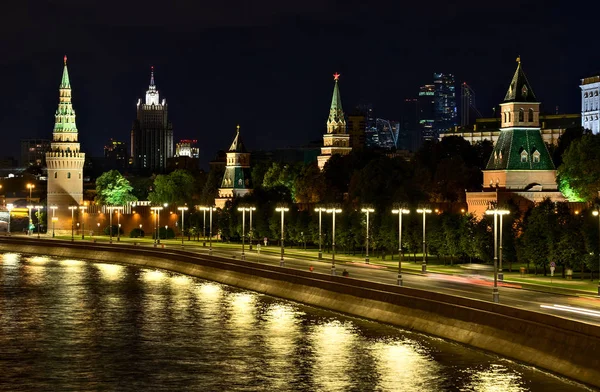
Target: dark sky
x=267, y=65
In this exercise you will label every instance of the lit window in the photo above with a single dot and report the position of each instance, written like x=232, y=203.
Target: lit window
x=523, y=156
x=536, y=156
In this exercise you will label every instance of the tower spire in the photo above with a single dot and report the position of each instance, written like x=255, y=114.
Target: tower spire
x=336, y=113
x=151, y=76
x=519, y=89
x=65, y=82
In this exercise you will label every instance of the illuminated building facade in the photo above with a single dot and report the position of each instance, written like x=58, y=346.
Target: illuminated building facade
x=590, y=105
x=65, y=159
x=426, y=102
x=445, y=113
x=152, y=132
x=115, y=154
x=336, y=140
x=33, y=152
x=187, y=148
x=236, y=180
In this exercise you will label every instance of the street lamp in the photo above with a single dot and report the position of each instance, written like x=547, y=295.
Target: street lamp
x=54, y=219
x=596, y=213
x=424, y=211
x=30, y=187
x=333, y=211
x=111, y=210
x=203, y=209
x=320, y=210
x=210, y=210
x=156, y=211
x=72, y=208
x=250, y=233
x=243, y=211
x=9, y=207
x=400, y=212
x=183, y=210
x=496, y=212
x=500, y=273
x=367, y=211
x=82, y=208
x=282, y=210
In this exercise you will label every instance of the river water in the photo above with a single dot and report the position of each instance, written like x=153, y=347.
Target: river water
x=71, y=325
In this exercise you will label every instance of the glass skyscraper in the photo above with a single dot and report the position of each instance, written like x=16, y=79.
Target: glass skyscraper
x=445, y=113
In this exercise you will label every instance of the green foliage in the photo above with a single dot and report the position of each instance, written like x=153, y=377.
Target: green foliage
x=176, y=187
x=106, y=230
x=113, y=189
x=579, y=174
x=136, y=233
x=212, y=184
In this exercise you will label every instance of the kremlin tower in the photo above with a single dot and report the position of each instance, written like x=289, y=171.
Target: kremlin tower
x=336, y=140
x=236, y=180
x=65, y=159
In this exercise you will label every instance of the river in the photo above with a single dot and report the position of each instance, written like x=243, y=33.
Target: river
x=72, y=325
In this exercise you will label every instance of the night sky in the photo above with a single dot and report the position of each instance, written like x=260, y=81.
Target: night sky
x=268, y=65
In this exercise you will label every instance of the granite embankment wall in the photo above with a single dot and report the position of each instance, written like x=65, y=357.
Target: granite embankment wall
x=561, y=346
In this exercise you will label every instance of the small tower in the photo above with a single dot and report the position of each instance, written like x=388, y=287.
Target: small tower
x=336, y=140
x=236, y=180
x=65, y=160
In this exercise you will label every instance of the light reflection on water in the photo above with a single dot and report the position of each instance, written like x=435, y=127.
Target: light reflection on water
x=74, y=325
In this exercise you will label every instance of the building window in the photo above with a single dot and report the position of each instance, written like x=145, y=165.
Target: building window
x=521, y=115
x=69, y=175
x=80, y=176
x=55, y=174
x=530, y=115
x=523, y=156
x=536, y=156
x=508, y=117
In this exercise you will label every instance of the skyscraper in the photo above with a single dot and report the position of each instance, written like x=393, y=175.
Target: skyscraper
x=445, y=114
x=426, y=103
x=115, y=153
x=410, y=137
x=336, y=140
x=152, y=132
x=65, y=160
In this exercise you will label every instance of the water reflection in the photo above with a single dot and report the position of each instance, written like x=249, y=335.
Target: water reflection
x=104, y=326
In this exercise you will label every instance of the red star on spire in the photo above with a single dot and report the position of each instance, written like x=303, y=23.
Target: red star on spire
x=65, y=59
x=336, y=76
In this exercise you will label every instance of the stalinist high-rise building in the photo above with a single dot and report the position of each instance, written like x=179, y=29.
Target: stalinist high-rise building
x=65, y=159
x=152, y=132
x=337, y=139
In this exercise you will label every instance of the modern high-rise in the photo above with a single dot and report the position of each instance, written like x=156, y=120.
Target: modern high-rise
x=426, y=104
x=445, y=113
x=115, y=154
x=65, y=159
x=336, y=141
x=152, y=132
x=33, y=152
x=590, y=106
x=410, y=137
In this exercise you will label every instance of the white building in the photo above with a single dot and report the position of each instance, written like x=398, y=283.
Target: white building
x=589, y=103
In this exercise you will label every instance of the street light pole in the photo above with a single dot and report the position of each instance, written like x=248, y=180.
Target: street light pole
x=119, y=209
x=424, y=211
x=82, y=208
x=53, y=218
x=250, y=233
x=320, y=210
x=400, y=212
x=496, y=212
x=282, y=210
x=72, y=208
x=367, y=211
x=210, y=210
x=9, y=207
x=29, y=208
x=243, y=210
x=597, y=214
x=183, y=210
x=156, y=211
x=333, y=211
x=30, y=187
x=500, y=273
x=110, y=214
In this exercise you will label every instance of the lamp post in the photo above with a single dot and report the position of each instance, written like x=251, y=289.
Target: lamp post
x=210, y=210
x=250, y=233
x=500, y=273
x=53, y=208
x=333, y=211
x=119, y=209
x=367, y=211
x=183, y=210
x=243, y=211
x=30, y=187
x=9, y=207
x=400, y=212
x=496, y=212
x=82, y=208
x=424, y=211
x=597, y=213
x=282, y=210
x=29, y=208
x=203, y=209
x=72, y=208
x=156, y=211
x=320, y=210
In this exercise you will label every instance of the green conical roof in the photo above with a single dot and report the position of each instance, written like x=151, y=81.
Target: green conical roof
x=520, y=90
x=520, y=149
x=336, y=113
x=65, y=82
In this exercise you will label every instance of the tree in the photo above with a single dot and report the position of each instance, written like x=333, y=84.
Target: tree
x=176, y=187
x=579, y=175
x=113, y=189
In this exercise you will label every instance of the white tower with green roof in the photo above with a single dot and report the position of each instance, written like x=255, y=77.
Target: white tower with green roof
x=65, y=159
x=236, y=180
x=337, y=139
